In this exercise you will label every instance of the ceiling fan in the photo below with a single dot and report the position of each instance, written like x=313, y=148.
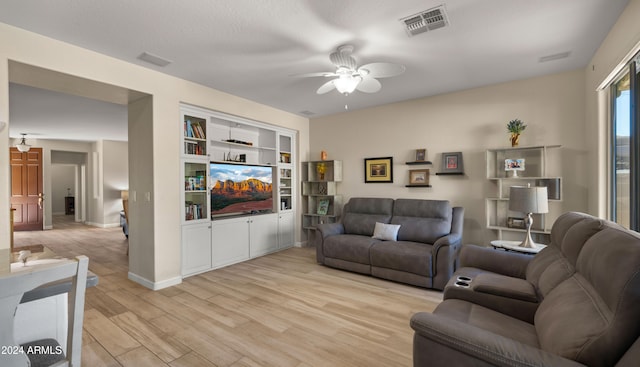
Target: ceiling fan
x=348, y=77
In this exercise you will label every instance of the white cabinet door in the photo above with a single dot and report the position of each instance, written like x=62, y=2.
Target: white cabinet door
x=286, y=230
x=196, y=248
x=264, y=234
x=230, y=241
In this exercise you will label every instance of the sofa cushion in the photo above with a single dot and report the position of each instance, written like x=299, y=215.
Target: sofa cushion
x=489, y=320
x=349, y=247
x=386, y=232
x=361, y=214
x=409, y=257
x=570, y=318
x=592, y=316
x=422, y=220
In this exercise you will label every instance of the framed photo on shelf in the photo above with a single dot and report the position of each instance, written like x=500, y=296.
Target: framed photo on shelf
x=419, y=177
x=514, y=164
x=421, y=155
x=452, y=163
x=323, y=207
x=378, y=170
x=513, y=222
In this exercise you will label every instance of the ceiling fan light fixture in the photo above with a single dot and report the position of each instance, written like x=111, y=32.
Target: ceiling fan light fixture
x=346, y=84
x=23, y=147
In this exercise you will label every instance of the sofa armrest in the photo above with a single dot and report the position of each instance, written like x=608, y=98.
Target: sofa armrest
x=330, y=229
x=445, y=250
x=501, y=262
x=440, y=341
x=323, y=231
x=444, y=254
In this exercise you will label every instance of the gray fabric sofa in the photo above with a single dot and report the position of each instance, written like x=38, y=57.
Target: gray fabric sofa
x=575, y=303
x=424, y=252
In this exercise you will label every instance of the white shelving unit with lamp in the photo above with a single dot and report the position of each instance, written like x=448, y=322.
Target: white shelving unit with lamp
x=540, y=168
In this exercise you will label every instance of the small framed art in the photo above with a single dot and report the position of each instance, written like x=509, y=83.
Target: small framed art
x=378, y=170
x=451, y=164
x=419, y=177
x=421, y=155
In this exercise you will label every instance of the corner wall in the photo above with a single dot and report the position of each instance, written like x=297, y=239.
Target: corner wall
x=470, y=121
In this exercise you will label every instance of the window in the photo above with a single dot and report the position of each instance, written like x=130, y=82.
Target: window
x=625, y=129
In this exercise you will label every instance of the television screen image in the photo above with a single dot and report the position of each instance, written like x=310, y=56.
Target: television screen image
x=240, y=189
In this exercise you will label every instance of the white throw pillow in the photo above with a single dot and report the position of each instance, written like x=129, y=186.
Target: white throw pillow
x=386, y=232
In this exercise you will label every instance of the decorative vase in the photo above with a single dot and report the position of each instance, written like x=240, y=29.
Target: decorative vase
x=515, y=139
x=321, y=168
x=323, y=155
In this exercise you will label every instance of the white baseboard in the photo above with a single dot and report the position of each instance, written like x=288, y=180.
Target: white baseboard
x=154, y=285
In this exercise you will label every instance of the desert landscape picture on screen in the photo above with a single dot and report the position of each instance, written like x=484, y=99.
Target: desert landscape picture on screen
x=240, y=189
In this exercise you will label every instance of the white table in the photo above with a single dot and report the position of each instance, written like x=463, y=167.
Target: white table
x=514, y=246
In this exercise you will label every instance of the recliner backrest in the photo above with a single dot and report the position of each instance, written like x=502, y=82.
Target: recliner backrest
x=557, y=262
x=359, y=215
x=592, y=317
x=422, y=220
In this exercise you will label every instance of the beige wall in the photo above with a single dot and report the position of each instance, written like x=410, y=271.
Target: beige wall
x=470, y=121
x=158, y=260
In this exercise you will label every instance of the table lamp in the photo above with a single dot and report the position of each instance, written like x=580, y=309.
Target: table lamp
x=529, y=200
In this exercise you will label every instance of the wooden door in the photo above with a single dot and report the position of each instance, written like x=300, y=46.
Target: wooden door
x=26, y=189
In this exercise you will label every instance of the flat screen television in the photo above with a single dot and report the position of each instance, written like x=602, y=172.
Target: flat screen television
x=240, y=189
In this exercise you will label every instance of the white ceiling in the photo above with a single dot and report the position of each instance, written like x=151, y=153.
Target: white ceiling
x=250, y=48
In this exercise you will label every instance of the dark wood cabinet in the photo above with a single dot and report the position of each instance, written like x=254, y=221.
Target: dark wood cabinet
x=69, y=205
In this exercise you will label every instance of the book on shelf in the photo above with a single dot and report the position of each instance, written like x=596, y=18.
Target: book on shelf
x=195, y=183
x=193, y=211
x=193, y=130
x=323, y=207
x=194, y=148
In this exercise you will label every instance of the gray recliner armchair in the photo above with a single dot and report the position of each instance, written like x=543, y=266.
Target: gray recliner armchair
x=583, y=292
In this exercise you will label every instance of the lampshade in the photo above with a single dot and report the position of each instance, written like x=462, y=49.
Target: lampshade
x=23, y=146
x=529, y=199
x=346, y=84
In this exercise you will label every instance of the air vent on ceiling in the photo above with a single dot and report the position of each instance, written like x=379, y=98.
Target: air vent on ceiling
x=558, y=56
x=428, y=20
x=154, y=59
x=307, y=113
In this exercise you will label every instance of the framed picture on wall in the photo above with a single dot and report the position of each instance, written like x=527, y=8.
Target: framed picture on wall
x=452, y=163
x=419, y=177
x=378, y=170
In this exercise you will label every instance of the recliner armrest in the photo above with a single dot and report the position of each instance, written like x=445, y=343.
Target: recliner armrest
x=455, y=338
x=497, y=261
x=330, y=229
x=323, y=231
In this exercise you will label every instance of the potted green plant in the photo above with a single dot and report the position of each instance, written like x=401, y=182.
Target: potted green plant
x=515, y=128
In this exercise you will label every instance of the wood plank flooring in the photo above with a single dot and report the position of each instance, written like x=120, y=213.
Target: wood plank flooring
x=278, y=310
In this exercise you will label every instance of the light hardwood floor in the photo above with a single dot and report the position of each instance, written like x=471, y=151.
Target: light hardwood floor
x=278, y=310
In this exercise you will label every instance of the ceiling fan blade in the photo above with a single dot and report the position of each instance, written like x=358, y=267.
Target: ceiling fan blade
x=322, y=73
x=369, y=85
x=381, y=69
x=326, y=87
